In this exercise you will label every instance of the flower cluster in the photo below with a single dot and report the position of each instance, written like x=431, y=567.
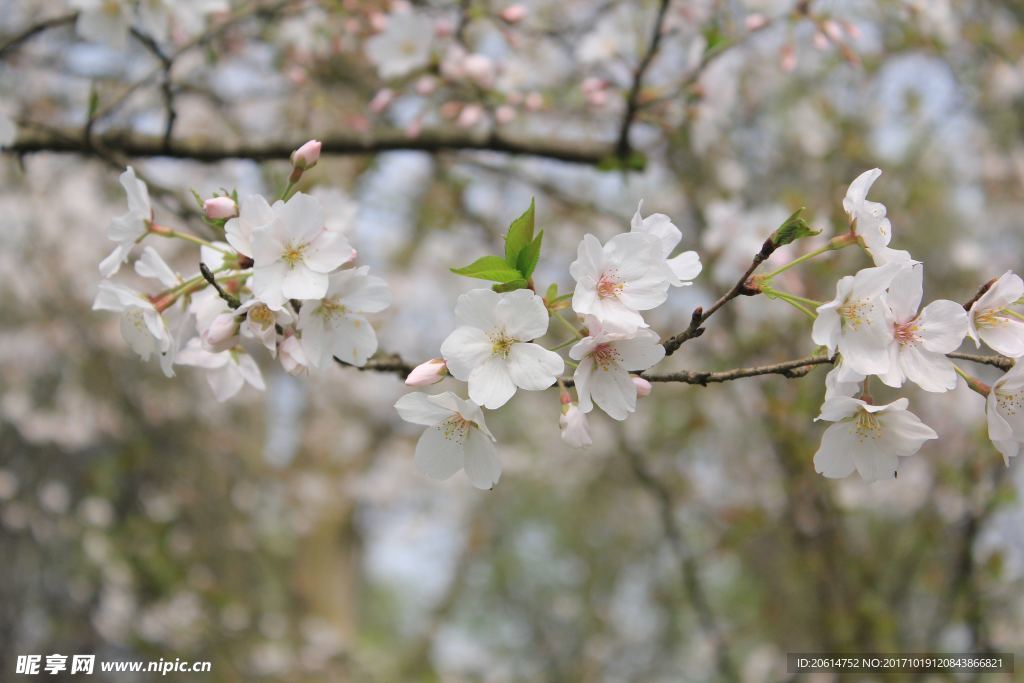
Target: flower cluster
x=494, y=347
x=877, y=327
x=279, y=277
x=111, y=21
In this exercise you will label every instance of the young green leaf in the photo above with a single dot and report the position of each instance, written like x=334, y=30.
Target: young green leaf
x=492, y=268
x=792, y=229
x=552, y=292
x=519, y=235
x=510, y=286
x=529, y=256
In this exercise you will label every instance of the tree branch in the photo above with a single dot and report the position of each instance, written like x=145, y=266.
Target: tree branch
x=622, y=146
x=208, y=151
x=16, y=40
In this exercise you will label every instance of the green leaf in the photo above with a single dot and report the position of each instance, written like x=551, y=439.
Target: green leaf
x=519, y=235
x=529, y=256
x=552, y=292
x=793, y=228
x=511, y=285
x=492, y=268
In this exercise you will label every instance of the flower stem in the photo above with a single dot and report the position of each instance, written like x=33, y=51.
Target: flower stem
x=564, y=344
x=568, y=325
x=832, y=245
x=795, y=303
x=1015, y=314
x=164, y=231
x=973, y=382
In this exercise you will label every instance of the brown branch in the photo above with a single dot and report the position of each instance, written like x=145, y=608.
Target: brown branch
x=388, y=363
x=622, y=147
x=791, y=369
x=203, y=150
x=980, y=293
x=700, y=315
x=35, y=29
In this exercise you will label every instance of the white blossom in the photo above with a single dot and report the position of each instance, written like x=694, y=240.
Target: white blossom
x=988, y=321
x=226, y=372
x=152, y=266
x=335, y=326
x=294, y=253
x=104, y=21
x=253, y=213
x=868, y=438
x=128, y=228
x=490, y=347
x=855, y=322
x=615, y=281
x=679, y=269
x=870, y=221
x=605, y=360
x=842, y=381
x=142, y=326
x=293, y=358
x=920, y=341
x=403, y=46
x=456, y=438
x=574, y=427
x=1004, y=409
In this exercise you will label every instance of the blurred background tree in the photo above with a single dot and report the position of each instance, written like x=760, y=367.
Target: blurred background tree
x=287, y=535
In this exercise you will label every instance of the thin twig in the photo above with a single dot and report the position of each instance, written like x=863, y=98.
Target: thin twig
x=231, y=299
x=622, y=146
x=1001, y=362
x=34, y=30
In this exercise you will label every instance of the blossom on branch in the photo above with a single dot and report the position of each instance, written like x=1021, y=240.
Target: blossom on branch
x=142, y=326
x=456, y=438
x=491, y=346
x=1004, y=410
x=335, y=326
x=617, y=280
x=679, y=270
x=987, y=319
x=226, y=371
x=868, y=438
x=869, y=220
x=920, y=341
x=403, y=46
x=128, y=228
x=605, y=360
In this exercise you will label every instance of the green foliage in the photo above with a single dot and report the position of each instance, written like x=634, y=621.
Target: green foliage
x=522, y=252
x=793, y=228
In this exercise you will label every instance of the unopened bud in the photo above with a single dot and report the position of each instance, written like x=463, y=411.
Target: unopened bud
x=222, y=334
x=504, y=114
x=643, y=387
x=217, y=208
x=425, y=374
x=292, y=357
x=305, y=157
x=513, y=14
x=382, y=100
x=755, y=22
x=470, y=115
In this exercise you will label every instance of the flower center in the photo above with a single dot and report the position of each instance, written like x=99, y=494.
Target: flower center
x=906, y=333
x=989, y=318
x=455, y=428
x=605, y=355
x=261, y=315
x=855, y=313
x=609, y=285
x=330, y=309
x=1008, y=403
x=866, y=426
x=501, y=344
x=293, y=254
x=407, y=48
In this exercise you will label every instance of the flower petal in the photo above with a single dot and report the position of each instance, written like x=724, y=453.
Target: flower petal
x=481, y=460
x=532, y=367
x=466, y=349
x=490, y=384
x=439, y=452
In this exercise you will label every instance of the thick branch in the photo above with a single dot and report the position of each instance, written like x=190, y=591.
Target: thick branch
x=16, y=40
x=209, y=151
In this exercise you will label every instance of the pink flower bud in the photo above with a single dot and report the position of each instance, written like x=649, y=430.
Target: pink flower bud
x=504, y=114
x=470, y=115
x=220, y=207
x=222, y=334
x=755, y=22
x=292, y=357
x=821, y=41
x=378, y=21
x=305, y=157
x=426, y=85
x=643, y=387
x=425, y=374
x=480, y=69
x=513, y=14
x=382, y=100
x=852, y=30
x=534, y=101
x=833, y=30
x=787, y=58
x=592, y=84
x=443, y=28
